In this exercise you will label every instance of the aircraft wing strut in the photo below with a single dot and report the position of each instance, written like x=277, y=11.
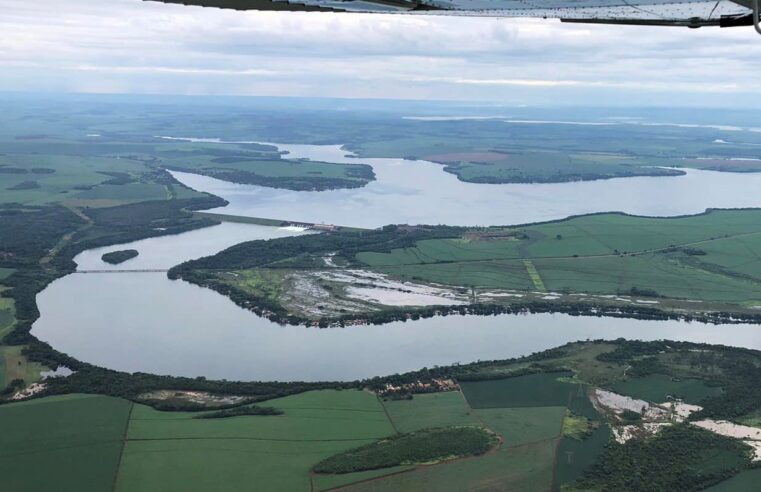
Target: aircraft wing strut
x=681, y=13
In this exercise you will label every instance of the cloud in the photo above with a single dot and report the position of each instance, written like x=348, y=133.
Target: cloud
x=140, y=47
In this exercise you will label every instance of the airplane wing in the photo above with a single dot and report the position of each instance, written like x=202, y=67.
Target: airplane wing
x=686, y=13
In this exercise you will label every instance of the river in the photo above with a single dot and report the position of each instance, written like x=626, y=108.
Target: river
x=146, y=322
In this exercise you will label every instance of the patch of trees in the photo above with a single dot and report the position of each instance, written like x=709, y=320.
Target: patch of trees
x=240, y=411
x=678, y=458
x=12, y=170
x=13, y=387
x=641, y=292
x=534, y=368
x=742, y=393
x=627, y=350
x=116, y=257
x=24, y=185
x=416, y=447
x=152, y=213
x=96, y=380
x=686, y=250
x=646, y=366
x=117, y=178
x=28, y=233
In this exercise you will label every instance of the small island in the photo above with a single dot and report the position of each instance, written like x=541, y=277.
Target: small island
x=116, y=257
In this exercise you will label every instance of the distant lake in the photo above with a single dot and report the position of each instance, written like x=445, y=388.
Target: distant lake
x=146, y=322
x=421, y=192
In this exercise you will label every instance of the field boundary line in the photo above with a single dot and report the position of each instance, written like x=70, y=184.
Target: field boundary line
x=385, y=411
x=241, y=438
x=348, y=486
x=124, y=444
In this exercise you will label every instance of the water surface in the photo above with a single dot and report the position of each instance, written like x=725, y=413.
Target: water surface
x=420, y=192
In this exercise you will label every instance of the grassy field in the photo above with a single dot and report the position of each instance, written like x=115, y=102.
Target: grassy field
x=523, y=425
x=657, y=387
x=261, y=283
x=7, y=315
x=62, y=443
x=430, y=410
x=14, y=365
x=328, y=482
x=534, y=390
x=710, y=257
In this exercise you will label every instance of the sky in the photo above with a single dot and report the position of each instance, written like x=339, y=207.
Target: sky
x=135, y=47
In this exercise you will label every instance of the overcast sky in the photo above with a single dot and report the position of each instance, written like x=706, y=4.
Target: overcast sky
x=130, y=46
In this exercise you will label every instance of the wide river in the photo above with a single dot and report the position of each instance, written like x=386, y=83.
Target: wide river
x=145, y=322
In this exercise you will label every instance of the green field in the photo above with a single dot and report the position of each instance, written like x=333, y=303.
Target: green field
x=173, y=451
x=77, y=440
x=75, y=178
x=534, y=390
x=709, y=257
x=7, y=315
x=574, y=456
x=747, y=481
x=62, y=443
x=528, y=468
x=430, y=410
x=657, y=387
x=327, y=482
x=523, y=425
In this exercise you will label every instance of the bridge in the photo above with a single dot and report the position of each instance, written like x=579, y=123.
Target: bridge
x=156, y=270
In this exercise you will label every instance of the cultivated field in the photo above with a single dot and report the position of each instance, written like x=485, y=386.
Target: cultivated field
x=62, y=443
x=711, y=257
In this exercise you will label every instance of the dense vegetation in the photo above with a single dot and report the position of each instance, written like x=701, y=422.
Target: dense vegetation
x=736, y=371
x=240, y=411
x=116, y=257
x=680, y=458
x=416, y=447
